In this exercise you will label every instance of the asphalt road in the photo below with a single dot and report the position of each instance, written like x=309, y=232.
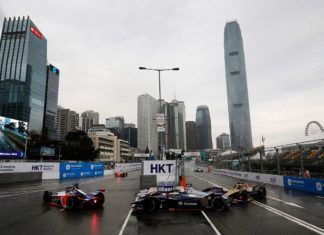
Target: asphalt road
x=283, y=212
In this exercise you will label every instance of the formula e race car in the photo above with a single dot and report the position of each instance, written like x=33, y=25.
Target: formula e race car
x=198, y=169
x=74, y=198
x=242, y=192
x=151, y=200
x=120, y=174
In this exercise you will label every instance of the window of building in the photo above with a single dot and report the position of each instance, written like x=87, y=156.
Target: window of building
x=233, y=53
x=235, y=73
x=239, y=105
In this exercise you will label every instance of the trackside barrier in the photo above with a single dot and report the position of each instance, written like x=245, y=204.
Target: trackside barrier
x=304, y=184
x=81, y=169
x=257, y=177
x=128, y=166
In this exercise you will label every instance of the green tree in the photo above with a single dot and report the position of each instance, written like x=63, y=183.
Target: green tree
x=78, y=146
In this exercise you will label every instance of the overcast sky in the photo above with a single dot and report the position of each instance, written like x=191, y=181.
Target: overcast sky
x=99, y=45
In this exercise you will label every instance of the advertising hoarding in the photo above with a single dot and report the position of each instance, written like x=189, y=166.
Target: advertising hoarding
x=81, y=169
x=304, y=184
x=15, y=167
x=13, y=138
x=165, y=170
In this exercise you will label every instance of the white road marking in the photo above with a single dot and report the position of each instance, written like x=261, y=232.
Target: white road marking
x=291, y=218
x=62, y=209
x=320, y=197
x=288, y=203
x=211, y=224
x=300, y=222
x=215, y=185
x=125, y=223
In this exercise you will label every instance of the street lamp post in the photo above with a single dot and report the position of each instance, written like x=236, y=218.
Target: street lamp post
x=160, y=104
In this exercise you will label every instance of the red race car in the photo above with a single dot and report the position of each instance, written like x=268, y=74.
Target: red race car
x=119, y=173
x=74, y=198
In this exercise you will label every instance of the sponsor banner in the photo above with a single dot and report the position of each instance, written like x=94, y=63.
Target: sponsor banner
x=128, y=166
x=262, y=178
x=305, y=184
x=81, y=169
x=160, y=119
x=14, y=167
x=164, y=170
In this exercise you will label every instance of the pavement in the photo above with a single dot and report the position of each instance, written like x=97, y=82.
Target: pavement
x=282, y=212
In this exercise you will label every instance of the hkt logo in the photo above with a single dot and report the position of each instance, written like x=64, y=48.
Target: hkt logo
x=36, y=32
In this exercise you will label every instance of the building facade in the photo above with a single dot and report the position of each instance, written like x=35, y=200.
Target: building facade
x=67, y=121
x=175, y=125
x=23, y=61
x=147, y=136
x=129, y=134
x=223, y=141
x=203, y=128
x=237, y=89
x=123, y=151
x=191, y=136
x=50, y=129
x=88, y=119
x=116, y=125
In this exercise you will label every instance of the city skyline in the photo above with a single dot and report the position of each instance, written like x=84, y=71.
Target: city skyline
x=193, y=43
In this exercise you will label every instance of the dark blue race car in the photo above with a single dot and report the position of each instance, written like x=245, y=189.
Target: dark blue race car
x=151, y=200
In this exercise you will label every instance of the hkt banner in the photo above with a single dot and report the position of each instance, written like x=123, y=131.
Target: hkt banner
x=164, y=170
x=81, y=169
x=14, y=167
x=304, y=184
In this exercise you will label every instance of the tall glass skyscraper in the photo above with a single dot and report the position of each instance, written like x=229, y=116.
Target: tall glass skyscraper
x=23, y=60
x=50, y=110
x=147, y=136
x=203, y=128
x=237, y=90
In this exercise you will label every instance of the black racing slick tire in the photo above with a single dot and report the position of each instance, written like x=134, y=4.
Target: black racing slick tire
x=262, y=192
x=101, y=198
x=218, y=204
x=47, y=197
x=151, y=205
x=71, y=203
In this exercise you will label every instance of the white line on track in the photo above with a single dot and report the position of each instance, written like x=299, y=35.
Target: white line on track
x=278, y=212
x=321, y=197
x=288, y=203
x=125, y=222
x=291, y=218
x=211, y=224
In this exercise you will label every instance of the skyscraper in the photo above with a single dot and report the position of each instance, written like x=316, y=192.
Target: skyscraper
x=67, y=121
x=50, y=109
x=23, y=60
x=223, y=142
x=88, y=119
x=237, y=90
x=191, y=136
x=203, y=128
x=147, y=136
x=175, y=133
x=116, y=125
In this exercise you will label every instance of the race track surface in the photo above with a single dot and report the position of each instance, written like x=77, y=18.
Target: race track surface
x=282, y=212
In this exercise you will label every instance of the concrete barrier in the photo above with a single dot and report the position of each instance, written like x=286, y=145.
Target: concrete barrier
x=9, y=178
x=257, y=177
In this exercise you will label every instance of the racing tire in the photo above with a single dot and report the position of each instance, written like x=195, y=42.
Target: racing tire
x=262, y=192
x=47, y=197
x=218, y=204
x=101, y=198
x=203, y=202
x=151, y=205
x=72, y=203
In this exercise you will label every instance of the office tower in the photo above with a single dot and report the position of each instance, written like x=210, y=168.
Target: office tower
x=67, y=121
x=191, y=136
x=129, y=133
x=175, y=125
x=203, y=128
x=223, y=141
x=237, y=90
x=50, y=108
x=147, y=136
x=88, y=119
x=116, y=125
x=23, y=61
